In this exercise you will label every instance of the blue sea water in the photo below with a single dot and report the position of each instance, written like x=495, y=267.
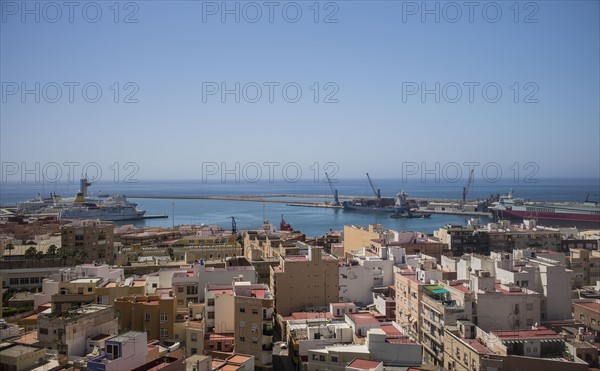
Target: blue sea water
x=312, y=221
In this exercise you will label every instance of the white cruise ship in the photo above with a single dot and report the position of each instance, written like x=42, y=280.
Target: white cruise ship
x=82, y=207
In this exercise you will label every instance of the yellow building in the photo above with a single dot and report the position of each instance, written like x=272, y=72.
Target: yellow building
x=153, y=314
x=409, y=292
x=253, y=316
x=355, y=237
x=585, y=265
x=88, y=241
x=19, y=357
x=303, y=281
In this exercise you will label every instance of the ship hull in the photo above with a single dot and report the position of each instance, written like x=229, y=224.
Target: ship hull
x=553, y=216
x=110, y=218
x=370, y=209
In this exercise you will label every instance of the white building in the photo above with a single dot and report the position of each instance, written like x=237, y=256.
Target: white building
x=122, y=352
x=69, y=333
x=193, y=279
x=360, y=274
x=394, y=351
x=51, y=285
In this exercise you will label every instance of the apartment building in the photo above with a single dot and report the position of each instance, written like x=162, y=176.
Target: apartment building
x=68, y=332
x=303, y=281
x=585, y=265
x=156, y=315
x=88, y=241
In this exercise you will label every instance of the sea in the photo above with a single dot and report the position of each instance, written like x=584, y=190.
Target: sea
x=309, y=220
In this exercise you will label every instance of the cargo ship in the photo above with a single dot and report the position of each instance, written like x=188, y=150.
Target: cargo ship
x=397, y=205
x=509, y=207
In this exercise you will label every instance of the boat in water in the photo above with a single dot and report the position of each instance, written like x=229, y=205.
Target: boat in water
x=115, y=208
x=398, y=204
x=509, y=207
x=410, y=215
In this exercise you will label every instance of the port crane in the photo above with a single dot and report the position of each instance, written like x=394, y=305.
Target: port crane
x=234, y=235
x=466, y=189
x=376, y=191
x=334, y=191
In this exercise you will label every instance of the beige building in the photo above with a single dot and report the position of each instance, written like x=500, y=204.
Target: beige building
x=244, y=310
x=441, y=306
x=253, y=313
x=409, y=291
x=305, y=281
x=467, y=348
x=356, y=237
x=585, y=265
x=194, y=331
x=20, y=357
x=154, y=314
x=69, y=332
x=88, y=241
x=587, y=311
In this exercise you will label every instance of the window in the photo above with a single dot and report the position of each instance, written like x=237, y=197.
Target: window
x=147, y=316
x=163, y=318
x=254, y=311
x=194, y=336
x=194, y=351
x=242, y=310
x=210, y=315
x=210, y=302
x=43, y=331
x=242, y=339
x=164, y=332
x=113, y=350
x=180, y=289
x=321, y=358
x=334, y=359
x=154, y=285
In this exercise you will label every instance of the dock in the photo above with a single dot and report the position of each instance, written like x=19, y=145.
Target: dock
x=313, y=204
x=159, y=216
x=456, y=212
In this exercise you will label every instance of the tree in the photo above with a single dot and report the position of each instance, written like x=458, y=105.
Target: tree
x=39, y=257
x=63, y=252
x=10, y=247
x=30, y=253
x=52, y=250
x=81, y=255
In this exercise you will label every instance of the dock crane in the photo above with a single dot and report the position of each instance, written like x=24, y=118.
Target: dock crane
x=467, y=187
x=334, y=191
x=376, y=191
x=234, y=236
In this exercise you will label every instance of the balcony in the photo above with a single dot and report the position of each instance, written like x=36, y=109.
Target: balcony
x=267, y=347
x=267, y=332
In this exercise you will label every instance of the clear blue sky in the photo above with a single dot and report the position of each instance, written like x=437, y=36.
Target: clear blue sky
x=368, y=54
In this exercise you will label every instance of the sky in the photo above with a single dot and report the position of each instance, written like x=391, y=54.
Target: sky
x=190, y=88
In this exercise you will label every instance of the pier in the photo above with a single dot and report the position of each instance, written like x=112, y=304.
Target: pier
x=159, y=216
